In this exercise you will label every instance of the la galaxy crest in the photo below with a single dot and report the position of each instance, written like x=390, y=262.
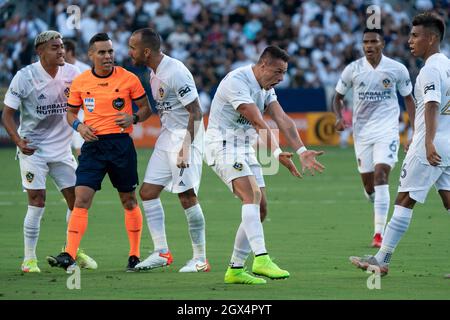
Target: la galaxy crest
x=386, y=83
x=67, y=92
x=161, y=92
x=29, y=176
x=238, y=166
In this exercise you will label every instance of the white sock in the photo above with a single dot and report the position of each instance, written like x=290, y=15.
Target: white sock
x=196, y=224
x=241, y=248
x=154, y=213
x=381, y=207
x=68, y=213
x=31, y=227
x=395, y=229
x=253, y=228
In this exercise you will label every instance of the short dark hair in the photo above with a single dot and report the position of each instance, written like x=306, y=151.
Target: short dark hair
x=149, y=38
x=70, y=45
x=98, y=37
x=432, y=22
x=374, y=30
x=274, y=52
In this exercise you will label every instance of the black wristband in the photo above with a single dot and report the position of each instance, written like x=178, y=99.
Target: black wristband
x=135, y=118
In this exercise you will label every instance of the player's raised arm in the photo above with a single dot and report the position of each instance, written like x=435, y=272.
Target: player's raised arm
x=289, y=130
x=251, y=113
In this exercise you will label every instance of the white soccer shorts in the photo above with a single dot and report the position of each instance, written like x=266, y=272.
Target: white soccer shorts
x=417, y=178
x=232, y=163
x=162, y=170
x=369, y=155
x=34, y=171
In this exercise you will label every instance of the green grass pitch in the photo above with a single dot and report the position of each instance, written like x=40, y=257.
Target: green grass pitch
x=313, y=226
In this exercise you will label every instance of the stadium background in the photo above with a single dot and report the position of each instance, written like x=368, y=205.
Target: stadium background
x=313, y=225
x=213, y=37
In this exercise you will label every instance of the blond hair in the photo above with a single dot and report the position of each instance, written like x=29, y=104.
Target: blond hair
x=45, y=36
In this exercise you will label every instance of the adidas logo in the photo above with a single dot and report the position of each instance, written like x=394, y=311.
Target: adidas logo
x=362, y=84
x=181, y=184
x=42, y=97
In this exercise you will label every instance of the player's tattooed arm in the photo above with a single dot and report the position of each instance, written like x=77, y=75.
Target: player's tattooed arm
x=194, y=123
x=338, y=106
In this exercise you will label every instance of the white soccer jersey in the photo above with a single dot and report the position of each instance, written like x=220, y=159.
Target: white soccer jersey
x=42, y=101
x=376, y=110
x=225, y=122
x=433, y=84
x=173, y=88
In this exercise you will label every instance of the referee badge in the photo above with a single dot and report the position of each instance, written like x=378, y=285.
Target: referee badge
x=30, y=176
x=237, y=166
x=118, y=104
x=89, y=104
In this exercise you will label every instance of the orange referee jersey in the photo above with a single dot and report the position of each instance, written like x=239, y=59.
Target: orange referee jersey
x=102, y=97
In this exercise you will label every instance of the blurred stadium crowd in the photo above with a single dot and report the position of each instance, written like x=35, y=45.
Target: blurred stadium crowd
x=215, y=36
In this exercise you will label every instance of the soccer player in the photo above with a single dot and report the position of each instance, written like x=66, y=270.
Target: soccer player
x=375, y=80
x=70, y=48
x=235, y=122
x=176, y=162
x=40, y=92
x=106, y=94
x=427, y=162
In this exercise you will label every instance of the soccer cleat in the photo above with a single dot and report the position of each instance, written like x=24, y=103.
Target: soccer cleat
x=132, y=262
x=371, y=263
x=84, y=261
x=30, y=265
x=264, y=266
x=196, y=265
x=241, y=276
x=155, y=260
x=62, y=260
x=377, y=240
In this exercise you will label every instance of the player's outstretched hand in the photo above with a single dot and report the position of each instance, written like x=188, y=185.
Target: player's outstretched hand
x=285, y=159
x=308, y=160
x=24, y=148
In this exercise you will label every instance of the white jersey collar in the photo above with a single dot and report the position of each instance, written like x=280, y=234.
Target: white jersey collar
x=251, y=76
x=433, y=57
x=45, y=74
x=161, y=64
x=379, y=64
